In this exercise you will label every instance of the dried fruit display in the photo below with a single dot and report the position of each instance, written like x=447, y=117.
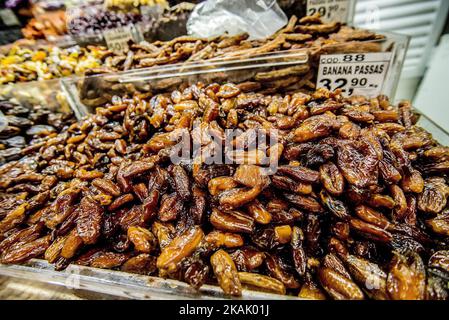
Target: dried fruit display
x=130, y=4
x=28, y=126
x=46, y=25
x=356, y=208
x=171, y=23
x=91, y=19
x=308, y=34
x=21, y=64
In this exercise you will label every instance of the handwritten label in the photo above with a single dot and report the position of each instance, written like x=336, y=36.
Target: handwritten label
x=117, y=39
x=329, y=10
x=354, y=74
x=9, y=18
x=151, y=11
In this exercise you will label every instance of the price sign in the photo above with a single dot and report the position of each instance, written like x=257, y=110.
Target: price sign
x=151, y=11
x=9, y=18
x=355, y=73
x=117, y=39
x=329, y=10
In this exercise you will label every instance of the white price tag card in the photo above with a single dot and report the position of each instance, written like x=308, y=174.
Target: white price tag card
x=151, y=11
x=330, y=10
x=9, y=17
x=117, y=39
x=355, y=73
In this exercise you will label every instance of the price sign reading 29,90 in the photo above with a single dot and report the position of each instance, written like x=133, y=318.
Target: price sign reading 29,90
x=357, y=73
x=329, y=10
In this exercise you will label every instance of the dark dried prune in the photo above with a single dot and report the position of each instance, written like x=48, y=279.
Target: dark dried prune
x=332, y=179
x=89, y=221
x=300, y=173
x=298, y=252
x=196, y=274
x=199, y=205
x=433, y=198
x=170, y=207
x=182, y=182
x=358, y=167
x=304, y=203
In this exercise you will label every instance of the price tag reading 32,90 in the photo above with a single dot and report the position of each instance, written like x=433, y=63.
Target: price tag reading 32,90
x=329, y=10
x=355, y=73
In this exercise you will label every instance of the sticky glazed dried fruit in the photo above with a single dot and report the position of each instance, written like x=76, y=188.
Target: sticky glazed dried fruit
x=354, y=211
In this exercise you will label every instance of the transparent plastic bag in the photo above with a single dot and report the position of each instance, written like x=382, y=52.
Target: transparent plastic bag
x=259, y=18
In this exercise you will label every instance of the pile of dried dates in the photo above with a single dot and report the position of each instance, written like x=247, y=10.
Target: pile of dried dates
x=356, y=207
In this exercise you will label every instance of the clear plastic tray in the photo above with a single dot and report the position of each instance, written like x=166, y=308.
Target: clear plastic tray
x=438, y=133
x=121, y=284
x=144, y=20
x=87, y=93
x=46, y=93
x=229, y=70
